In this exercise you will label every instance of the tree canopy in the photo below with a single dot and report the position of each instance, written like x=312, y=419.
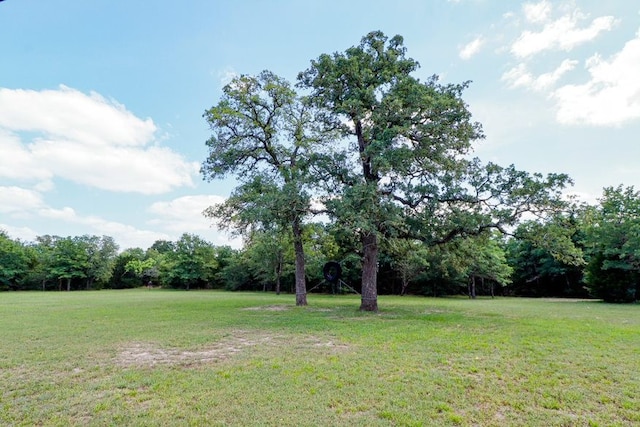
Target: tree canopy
x=404, y=170
x=612, y=241
x=264, y=134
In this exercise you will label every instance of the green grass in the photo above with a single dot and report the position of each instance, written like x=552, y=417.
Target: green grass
x=160, y=357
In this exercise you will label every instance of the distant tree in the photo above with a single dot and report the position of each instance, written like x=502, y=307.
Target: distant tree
x=236, y=274
x=162, y=246
x=192, y=263
x=483, y=258
x=123, y=277
x=269, y=254
x=612, y=241
x=142, y=269
x=225, y=257
x=547, y=258
x=405, y=171
x=70, y=260
x=14, y=262
x=101, y=256
x=320, y=248
x=410, y=259
x=42, y=251
x=264, y=135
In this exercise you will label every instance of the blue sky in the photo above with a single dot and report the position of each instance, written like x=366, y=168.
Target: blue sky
x=101, y=102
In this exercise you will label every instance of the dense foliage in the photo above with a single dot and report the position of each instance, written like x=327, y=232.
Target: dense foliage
x=603, y=261
x=385, y=153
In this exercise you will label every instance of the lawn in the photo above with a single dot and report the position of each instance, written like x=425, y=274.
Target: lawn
x=159, y=357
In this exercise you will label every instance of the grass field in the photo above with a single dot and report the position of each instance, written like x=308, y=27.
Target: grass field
x=160, y=357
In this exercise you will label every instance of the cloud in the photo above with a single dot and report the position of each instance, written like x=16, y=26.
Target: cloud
x=153, y=170
x=471, y=48
x=69, y=114
x=86, y=139
x=16, y=200
x=185, y=215
x=537, y=12
x=25, y=234
x=563, y=33
x=17, y=162
x=519, y=76
x=23, y=203
x=227, y=75
x=612, y=94
x=127, y=236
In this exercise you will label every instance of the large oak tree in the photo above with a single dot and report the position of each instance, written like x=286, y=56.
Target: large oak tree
x=405, y=170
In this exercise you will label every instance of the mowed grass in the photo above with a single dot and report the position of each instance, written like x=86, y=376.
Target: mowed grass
x=161, y=357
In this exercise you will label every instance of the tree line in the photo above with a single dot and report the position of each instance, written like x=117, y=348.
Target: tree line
x=589, y=251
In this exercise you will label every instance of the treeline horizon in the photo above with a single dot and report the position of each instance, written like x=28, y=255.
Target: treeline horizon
x=599, y=260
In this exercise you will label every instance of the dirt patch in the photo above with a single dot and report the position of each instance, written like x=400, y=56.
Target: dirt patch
x=149, y=354
x=268, y=308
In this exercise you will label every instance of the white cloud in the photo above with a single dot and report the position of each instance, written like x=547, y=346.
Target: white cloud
x=125, y=235
x=227, y=75
x=23, y=203
x=153, y=170
x=69, y=114
x=561, y=34
x=520, y=76
x=471, y=48
x=537, y=12
x=185, y=215
x=17, y=162
x=85, y=139
x=16, y=200
x=611, y=96
x=25, y=234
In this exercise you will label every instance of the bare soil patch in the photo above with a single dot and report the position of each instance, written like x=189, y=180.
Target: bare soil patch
x=150, y=354
x=268, y=308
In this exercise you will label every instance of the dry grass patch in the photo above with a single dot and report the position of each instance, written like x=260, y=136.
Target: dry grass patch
x=139, y=354
x=269, y=308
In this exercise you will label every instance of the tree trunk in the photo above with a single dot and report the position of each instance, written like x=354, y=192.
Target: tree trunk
x=301, y=286
x=472, y=288
x=369, y=273
x=68, y=284
x=278, y=274
x=405, y=284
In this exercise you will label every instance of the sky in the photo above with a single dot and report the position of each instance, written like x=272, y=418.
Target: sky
x=101, y=101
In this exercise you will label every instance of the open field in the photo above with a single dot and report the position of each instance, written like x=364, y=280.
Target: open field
x=161, y=357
